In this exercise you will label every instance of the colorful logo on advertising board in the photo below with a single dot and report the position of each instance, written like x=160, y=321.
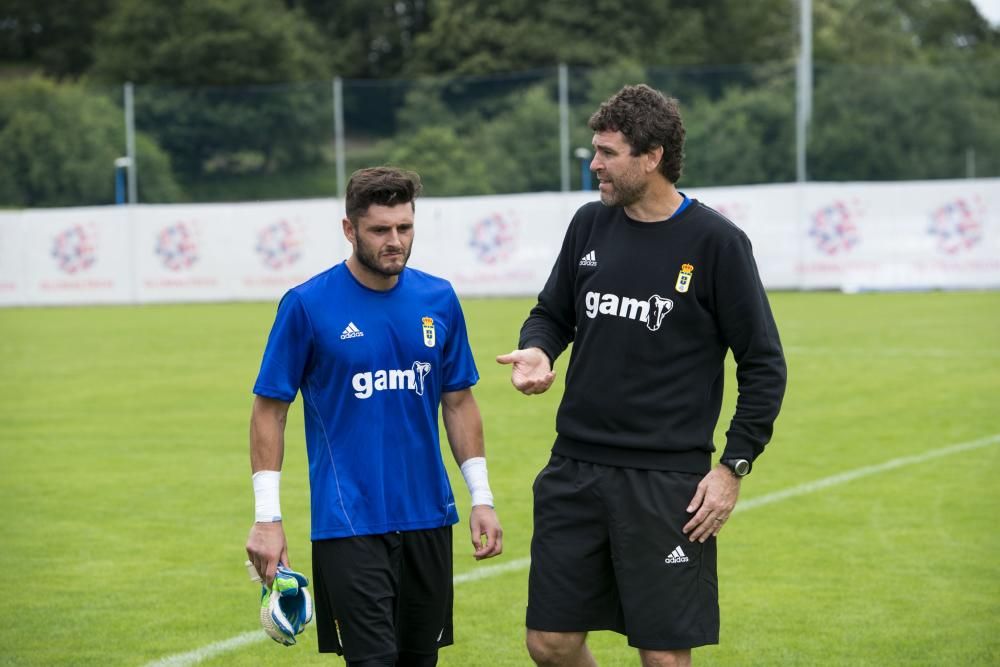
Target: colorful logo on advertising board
x=279, y=245
x=493, y=238
x=177, y=246
x=957, y=226
x=74, y=249
x=833, y=229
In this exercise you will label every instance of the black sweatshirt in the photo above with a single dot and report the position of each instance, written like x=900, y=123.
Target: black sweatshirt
x=651, y=309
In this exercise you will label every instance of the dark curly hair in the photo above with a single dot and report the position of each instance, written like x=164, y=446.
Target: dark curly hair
x=648, y=119
x=383, y=186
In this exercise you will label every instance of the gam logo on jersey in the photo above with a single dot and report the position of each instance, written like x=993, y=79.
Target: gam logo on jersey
x=74, y=249
x=412, y=379
x=957, y=226
x=651, y=310
x=177, y=247
x=279, y=245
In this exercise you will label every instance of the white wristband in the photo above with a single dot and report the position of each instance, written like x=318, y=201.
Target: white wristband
x=476, y=478
x=267, y=504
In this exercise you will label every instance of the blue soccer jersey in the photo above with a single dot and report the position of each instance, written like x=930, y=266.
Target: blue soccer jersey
x=371, y=367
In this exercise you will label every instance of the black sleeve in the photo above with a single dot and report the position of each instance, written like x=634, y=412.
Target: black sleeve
x=748, y=328
x=551, y=324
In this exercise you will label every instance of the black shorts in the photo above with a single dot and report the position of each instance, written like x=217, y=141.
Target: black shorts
x=608, y=554
x=381, y=595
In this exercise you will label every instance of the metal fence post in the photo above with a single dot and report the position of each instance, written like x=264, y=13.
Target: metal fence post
x=803, y=107
x=338, y=135
x=564, y=153
x=133, y=189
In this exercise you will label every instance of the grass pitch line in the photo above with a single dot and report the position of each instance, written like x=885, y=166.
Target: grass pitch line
x=489, y=571
x=867, y=471
x=239, y=641
x=210, y=651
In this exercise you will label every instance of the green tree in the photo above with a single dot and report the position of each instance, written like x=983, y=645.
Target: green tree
x=59, y=143
x=483, y=36
x=370, y=39
x=747, y=136
x=184, y=58
x=901, y=32
x=521, y=147
x=446, y=163
x=57, y=35
x=903, y=123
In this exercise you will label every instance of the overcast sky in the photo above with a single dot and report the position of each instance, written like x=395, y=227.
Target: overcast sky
x=990, y=9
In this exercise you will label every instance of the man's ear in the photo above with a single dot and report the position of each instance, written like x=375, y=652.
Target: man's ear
x=348, y=230
x=654, y=156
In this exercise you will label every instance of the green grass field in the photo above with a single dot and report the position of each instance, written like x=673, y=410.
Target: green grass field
x=125, y=488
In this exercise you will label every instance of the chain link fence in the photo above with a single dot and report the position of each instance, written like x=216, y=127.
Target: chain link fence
x=521, y=132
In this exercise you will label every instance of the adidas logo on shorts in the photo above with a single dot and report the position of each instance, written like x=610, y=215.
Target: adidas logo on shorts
x=676, y=556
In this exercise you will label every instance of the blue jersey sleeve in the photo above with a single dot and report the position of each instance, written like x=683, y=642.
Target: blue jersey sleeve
x=288, y=352
x=459, y=367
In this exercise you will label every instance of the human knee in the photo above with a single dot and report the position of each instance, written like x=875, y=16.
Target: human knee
x=665, y=658
x=550, y=649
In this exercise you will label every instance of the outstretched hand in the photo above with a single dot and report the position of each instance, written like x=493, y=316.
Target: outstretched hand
x=531, y=373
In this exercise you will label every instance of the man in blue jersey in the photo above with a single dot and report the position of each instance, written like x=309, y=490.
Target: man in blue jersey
x=374, y=347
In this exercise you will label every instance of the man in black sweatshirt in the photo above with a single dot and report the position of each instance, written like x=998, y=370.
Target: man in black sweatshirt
x=652, y=288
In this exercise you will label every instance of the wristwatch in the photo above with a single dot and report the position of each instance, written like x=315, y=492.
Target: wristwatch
x=739, y=467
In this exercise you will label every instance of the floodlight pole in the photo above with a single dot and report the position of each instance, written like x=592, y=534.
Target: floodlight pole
x=803, y=80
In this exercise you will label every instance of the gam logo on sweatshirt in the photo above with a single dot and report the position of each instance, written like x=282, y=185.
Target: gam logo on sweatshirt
x=651, y=310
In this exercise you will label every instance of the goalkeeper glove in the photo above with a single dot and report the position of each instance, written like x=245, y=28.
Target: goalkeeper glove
x=286, y=608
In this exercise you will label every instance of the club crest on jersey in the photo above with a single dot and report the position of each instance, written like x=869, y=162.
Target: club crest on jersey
x=429, y=338
x=684, y=278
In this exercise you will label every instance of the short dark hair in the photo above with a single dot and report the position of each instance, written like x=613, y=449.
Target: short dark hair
x=648, y=119
x=383, y=186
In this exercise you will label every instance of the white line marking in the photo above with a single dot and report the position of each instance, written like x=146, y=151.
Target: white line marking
x=858, y=473
x=489, y=571
x=210, y=651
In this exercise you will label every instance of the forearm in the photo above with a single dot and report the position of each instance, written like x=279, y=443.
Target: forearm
x=267, y=448
x=750, y=331
x=267, y=434
x=463, y=425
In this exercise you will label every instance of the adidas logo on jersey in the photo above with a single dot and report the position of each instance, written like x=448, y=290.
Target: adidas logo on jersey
x=676, y=556
x=590, y=259
x=651, y=311
x=351, y=331
x=412, y=379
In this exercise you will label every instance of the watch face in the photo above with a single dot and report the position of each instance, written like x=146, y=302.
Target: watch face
x=740, y=467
